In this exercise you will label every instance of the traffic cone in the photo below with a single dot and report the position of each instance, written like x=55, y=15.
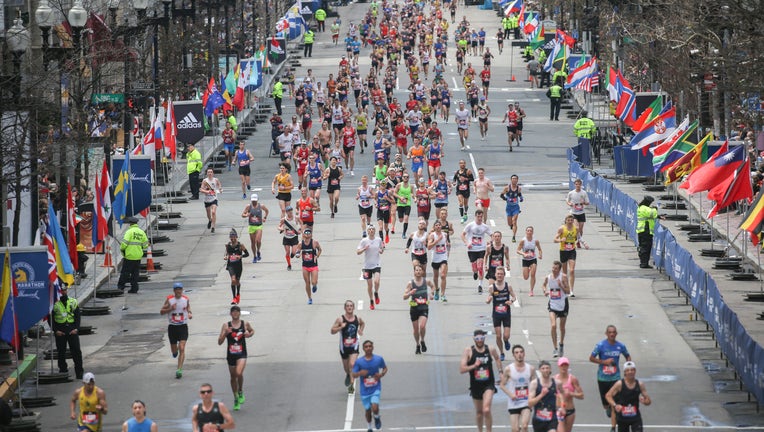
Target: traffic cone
x=150, y=261
x=513, y=78
x=107, y=262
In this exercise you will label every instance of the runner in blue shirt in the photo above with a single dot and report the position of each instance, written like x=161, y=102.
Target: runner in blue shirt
x=371, y=368
x=606, y=354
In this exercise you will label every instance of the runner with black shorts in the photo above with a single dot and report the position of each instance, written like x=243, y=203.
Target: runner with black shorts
x=350, y=327
x=463, y=177
x=333, y=174
x=364, y=196
x=290, y=227
x=501, y=296
x=557, y=288
x=477, y=360
x=371, y=247
x=177, y=307
x=244, y=158
x=384, y=202
x=234, y=252
x=235, y=333
x=419, y=300
x=530, y=250
x=473, y=236
x=496, y=255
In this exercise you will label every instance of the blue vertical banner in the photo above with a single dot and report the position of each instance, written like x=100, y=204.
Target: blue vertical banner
x=30, y=271
x=139, y=197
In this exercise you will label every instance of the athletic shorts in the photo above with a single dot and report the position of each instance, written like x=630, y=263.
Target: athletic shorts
x=544, y=426
x=310, y=269
x=290, y=241
x=347, y=149
x=512, y=129
x=232, y=359
x=490, y=274
x=512, y=210
x=435, y=163
x=383, y=215
x=436, y=265
x=579, y=217
x=483, y=120
x=228, y=147
x=418, y=311
x=254, y=228
x=369, y=273
x=477, y=391
x=464, y=193
x=365, y=211
x=177, y=333
x=369, y=400
x=563, y=313
x=502, y=320
x=518, y=411
x=346, y=352
x=474, y=256
x=403, y=211
x=485, y=203
x=284, y=196
x=528, y=263
x=422, y=259
x=416, y=166
x=566, y=256
x=210, y=204
x=332, y=188
x=235, y=269
x=244, y=170
x=604, y=387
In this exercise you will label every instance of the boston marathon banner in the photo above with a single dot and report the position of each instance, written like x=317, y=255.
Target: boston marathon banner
x=139, y=197
x=30, y=270
x=189, y=118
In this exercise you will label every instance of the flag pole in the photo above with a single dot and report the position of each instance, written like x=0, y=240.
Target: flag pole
x=15, y=329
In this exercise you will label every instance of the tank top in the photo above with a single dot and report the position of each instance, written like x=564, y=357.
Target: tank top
x=364, y=197
x=349, y=334
x=214, y=416
x=434, y=153
x=405, y=193
x=290, y=228
x=557, y=295
x=518, y=386
x=463, y=180
x=569, y=238
x=500, y=297
x=417, y=155
x=419, y=243
x=419, y=298
x=337, y=116
x=440, y=250
x=513, y=196
x=178, y=309
x=380, y=172
x=284, y=183
x=628, y=398
x=382, y=202
x=529, y=249
x=545, y=409
x=423, y=200
x=334, y=176
x=255, y=215
x=89, y=418
x=308, y=253
x=234, y=253
x=305, y=207
x=441, y=192
x=134, y=426
x=242, y=157
x=237, y=343
x=496, y=256
x=483, y=374
x=314, y=175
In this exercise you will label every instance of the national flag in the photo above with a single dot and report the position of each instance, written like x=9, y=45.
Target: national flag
x=256, y=77
x=63, y=263
x=753, y=221
x=565, y=38
x=170, y=131
x=557, y=58
x=585, y=76
x=515, y=6
x=536, y=39
x=231, y=81
x=627, y=101
x=662, y=149
x=691, y=161
x=612, y=88
x=214, y=101
x=521, y=17
x=648, y=115
x=720, y=167
x=71, y=230
x=660, y=128
x=735, y=188
x=158, y=128
x=122, y=191
x=245, y=71
x=275, y=46
x=148, y=146
x=9, y=328
x=531, y=24
x=208, y=91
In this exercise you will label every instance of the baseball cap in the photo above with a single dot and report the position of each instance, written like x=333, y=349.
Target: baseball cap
x=562, y=361
x=629, y=365
x=478, y=332
x=288, y=208
x=88, y=377
x=253, y=197
x=177, y=285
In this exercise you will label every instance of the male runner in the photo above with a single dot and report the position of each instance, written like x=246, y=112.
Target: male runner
x=256, y=215
x=577, y=200
x=235, y=333
x=624, y=398
x=462, y=116
x=371, y=247
x=473, y=236
x=463, y=177
x=350, y=326
x=515, y=382
x=371, y=368
x=501, y=296
x=606, y=354
x=483, y=186
x=556, y=287
x=477, y=360
x=177, y=307
x=419, y=299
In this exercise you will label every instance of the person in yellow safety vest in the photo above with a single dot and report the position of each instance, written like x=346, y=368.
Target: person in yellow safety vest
x=559, y=77
x=193, y=169
x=320, y=16
x=555, y=97
x=134, y=243
x=278, y=94
x=307, y=42
x=230, y=118
x=585, y=127
x=65, y=325
x=516, y=26
x=506, y=24
x=647, y=212
x=527, y=52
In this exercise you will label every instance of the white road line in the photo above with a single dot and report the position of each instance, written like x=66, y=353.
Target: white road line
x=456, y=87
x=349, y=410
x=472, y=160
x=527, y=335
x=583, y=426
x=397, y=83
x=491, y=222
x=360, y=304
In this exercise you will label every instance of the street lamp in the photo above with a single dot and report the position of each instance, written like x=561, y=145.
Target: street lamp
x=17, y=38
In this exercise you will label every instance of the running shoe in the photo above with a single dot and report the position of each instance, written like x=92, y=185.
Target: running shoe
x=571, y=294
x=376, y=298
x=445, y=300
x=562, y=351
x=392, y=231
x=555, y=353
x=258, y=256
x=387, y=238
x=464, y=219
x=424, y=347
x=212, y=230
x=403, y=236
x=289, y=267
x=480, y=289
x=530, y=294
x=352, y=174
x=474, y=275
x=243, y=196
x=348, y=381
x=501, y=357
x=378, y=422
x=586, y=245
x=578, y=244
x=335, y=209
x=241, y=397
x=514, y=240
x=249, y=187
x=254, y=260
x=351, y=388
x=238, y=298
x=436, y=297
x=310, y=301
x=175, y=354
x=418, y=349
x=332, y=216
x=371, y=305
x=315, y=288
x=236, y=405
x=506, y=345
x=363, y=234
x=209, y=224
x=233, y=301
x=179, y=373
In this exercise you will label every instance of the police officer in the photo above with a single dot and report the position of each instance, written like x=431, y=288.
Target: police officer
x=66, y=324
x=646, y=215
x=193, y=169
x=584, y=128
x=555, y=96
x=307, y=41
x=278, y=94
x=320, y=17
x=134, y=243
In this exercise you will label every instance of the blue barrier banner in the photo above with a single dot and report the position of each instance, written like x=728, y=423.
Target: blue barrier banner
x=669, y=251
x=634, y=163
x=583, y=151
x=630, y=219
x=574, y=171
x=607, y=193
x=618, y=159
x=682, y=262
x=659, y=240
x=696, y=283
x=30, y=269
x=758, y=372
x=139, y=197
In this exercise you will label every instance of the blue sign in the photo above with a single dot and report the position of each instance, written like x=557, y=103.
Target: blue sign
x=140, y=178
x=30, y=270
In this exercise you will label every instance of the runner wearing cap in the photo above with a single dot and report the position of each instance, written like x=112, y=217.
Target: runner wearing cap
x=234, y=252
x=569, y=389
x=290, y=227
x=624, y=399
x=256, y=215
x=92, y=405
x=177, y=307
x=606, y=354
x=477, y=360
x=211, y=187
x=309, y=250
x=235, y=333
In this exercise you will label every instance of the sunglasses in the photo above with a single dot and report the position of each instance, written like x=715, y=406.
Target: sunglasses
x=479, y=338
x=205, y=391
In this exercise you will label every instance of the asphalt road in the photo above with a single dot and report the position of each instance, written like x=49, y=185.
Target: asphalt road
x=294, y=380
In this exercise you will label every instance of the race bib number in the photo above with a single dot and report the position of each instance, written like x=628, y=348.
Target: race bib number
x=440, y=196
x=177, y=318
x=477, y=241
x=578, y=207
x=365, y=202
x=307, y=256
x=530, y=254
x=462, y=122
x=90, y=418
x=609, y=370
x=420, y=300
x=629, y=411
x=544, y=415
x=334, y=182
x=235, y=349
x=384, y=207
x=570, y=246
x=521, y=392
x=244, y=162
x=305, y=214
x=419, y=251
x=500, y=309
x=370, y=381
x=441, y=248
x=482, y=374
x=314, y=180
x=555, y=294
x=496, y=262
x=463, y=187
x=254, y=220
x=349, y=342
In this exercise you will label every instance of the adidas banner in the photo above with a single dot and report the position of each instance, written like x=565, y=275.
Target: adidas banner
x=189, y=121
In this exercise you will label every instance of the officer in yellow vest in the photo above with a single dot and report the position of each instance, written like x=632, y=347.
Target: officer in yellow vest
x=92, y=403
x=66, y=325
x=193, y=169
x=516, y=26
x=307, y=42
x=555, y=97
x=320, y=16
x=584, y=128
x=278, y=94
x=646, y=215
x=134, y=244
